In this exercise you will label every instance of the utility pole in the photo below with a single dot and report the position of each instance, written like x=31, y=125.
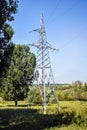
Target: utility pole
x=43, y=60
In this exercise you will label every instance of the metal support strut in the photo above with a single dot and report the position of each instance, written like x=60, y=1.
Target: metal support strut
x=43, y=61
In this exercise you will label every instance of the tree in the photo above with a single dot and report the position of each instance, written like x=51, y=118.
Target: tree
x=5, y=62
x=19, y=75
x=85, y=86
x=7, y=9
x=78, y=88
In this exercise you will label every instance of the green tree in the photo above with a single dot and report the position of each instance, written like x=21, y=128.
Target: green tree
x=7, y=9
x=19, y=75
x=78, y=88
x=85, y=86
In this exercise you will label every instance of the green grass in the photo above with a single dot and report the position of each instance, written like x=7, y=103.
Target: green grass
x=73, y=116
x=69, y=127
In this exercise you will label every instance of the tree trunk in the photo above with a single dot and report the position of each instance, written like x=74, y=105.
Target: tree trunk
x=16, y=103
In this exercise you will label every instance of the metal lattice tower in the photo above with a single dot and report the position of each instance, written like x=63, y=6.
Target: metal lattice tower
x=43, y=64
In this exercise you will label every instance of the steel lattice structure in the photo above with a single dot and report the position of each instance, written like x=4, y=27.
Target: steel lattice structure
x=43, y=64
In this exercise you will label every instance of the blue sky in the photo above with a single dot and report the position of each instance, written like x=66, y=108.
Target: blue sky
x=66, y=29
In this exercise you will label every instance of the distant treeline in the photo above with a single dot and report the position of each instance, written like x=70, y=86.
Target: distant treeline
x=64, y=92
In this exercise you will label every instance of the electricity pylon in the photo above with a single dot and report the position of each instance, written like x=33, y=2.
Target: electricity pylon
x=43, y=64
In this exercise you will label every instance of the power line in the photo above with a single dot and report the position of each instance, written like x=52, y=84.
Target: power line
x=75, y=37
x=53, y=11
x=64, y=13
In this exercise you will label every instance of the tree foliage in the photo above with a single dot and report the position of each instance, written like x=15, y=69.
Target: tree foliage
x=20, y=74
x=7, y=9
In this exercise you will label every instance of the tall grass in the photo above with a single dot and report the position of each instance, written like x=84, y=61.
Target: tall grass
x=73, y=116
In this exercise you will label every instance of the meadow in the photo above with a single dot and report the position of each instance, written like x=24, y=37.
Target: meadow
x=73, y=116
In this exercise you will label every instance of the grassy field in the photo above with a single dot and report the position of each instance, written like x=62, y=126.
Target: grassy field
x=73, y=116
